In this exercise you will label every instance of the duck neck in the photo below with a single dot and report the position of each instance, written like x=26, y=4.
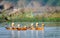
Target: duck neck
x=36, y=26
x=18, y=27
x=42, y=26
x=12, y=25
x=32, y=26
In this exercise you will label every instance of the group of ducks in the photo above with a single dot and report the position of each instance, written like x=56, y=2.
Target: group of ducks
x=25, y=27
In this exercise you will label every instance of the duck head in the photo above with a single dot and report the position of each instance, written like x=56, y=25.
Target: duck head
x=18, y=25
x=31, y=24
x=37, y=24
x=13, y=24
x=42, y=24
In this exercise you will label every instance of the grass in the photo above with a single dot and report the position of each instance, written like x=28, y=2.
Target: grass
x=28, y=17
x=34, y=19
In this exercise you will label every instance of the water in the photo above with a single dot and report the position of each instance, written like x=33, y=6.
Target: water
x=49, y=32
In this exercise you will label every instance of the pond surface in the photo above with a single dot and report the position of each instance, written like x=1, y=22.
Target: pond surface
x=49, y=32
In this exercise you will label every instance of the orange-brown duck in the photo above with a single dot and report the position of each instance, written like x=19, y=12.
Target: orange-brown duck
x=18, y=28
x=32, y=27
x=40, y=28
x=13, y=27
x=8, y=28
x=24, y=28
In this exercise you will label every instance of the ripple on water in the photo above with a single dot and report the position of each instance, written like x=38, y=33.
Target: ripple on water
x=49, y=32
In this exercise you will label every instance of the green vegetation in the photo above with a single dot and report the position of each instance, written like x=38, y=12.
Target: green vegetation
x=29, y=17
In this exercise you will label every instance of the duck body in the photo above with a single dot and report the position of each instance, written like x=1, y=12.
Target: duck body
x=13, y=28
x=39, y=28
x=8, y=28
x=23, y=28
x=18, y=28
x=32, y=27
